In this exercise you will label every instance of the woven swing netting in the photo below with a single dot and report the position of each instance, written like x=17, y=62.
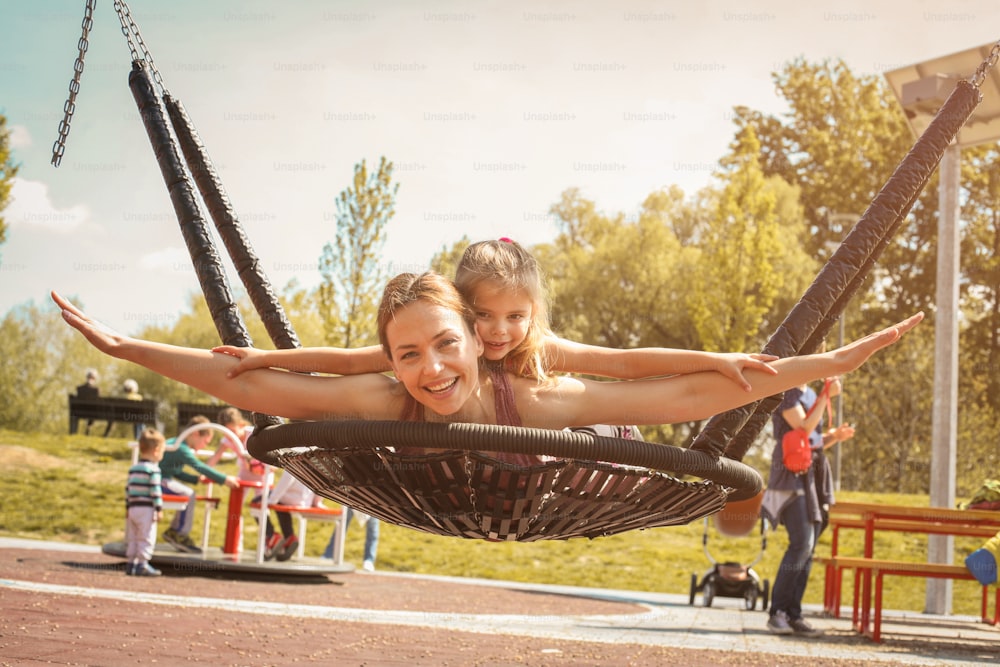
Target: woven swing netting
x=595, y=486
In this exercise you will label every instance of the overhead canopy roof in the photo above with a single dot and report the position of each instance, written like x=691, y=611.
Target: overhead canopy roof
x=922, y=88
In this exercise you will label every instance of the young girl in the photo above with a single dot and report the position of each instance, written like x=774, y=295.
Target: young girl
x=250, y=469
x=428, y=335
x=503, y=284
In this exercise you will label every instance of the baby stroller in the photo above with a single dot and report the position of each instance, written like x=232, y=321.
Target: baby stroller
x=731, y=579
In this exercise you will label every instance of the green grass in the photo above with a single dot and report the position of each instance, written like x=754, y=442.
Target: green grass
x=69, y=488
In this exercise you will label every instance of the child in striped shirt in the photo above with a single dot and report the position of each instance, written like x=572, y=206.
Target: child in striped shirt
x=144, y=504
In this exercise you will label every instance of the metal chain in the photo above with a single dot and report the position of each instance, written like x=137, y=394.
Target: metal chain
x=991, y=60
x=136, y=45
x=59, y=147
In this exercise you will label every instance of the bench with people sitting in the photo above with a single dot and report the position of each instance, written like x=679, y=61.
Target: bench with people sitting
x=111, y=410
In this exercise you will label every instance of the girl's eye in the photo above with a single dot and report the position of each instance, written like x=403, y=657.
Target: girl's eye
x=449, y=341
x=408, y=355
x=517, y=317
x=482, y=316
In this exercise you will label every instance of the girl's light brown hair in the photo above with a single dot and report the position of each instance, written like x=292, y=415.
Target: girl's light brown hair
x=407, y=288
x=506, y=265
x=230, y=416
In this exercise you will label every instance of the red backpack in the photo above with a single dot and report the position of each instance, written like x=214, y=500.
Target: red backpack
x=796, y=453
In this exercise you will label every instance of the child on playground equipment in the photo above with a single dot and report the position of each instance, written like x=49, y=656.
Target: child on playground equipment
x=503, y=284
x=143, y=505
x=172, y=467
x=288, y=491
x=249, y=468
x=428, y=334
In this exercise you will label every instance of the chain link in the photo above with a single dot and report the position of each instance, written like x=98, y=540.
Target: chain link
x=59, y=147
x=136, y=45
x=991, y=60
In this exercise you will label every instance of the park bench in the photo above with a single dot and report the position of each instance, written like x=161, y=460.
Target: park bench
x=875, y=518
x=110, y=410
x=870, y=611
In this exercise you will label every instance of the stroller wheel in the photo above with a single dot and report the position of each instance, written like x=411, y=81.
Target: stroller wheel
x=694, y=588
x=750, y=597
x=708, y=594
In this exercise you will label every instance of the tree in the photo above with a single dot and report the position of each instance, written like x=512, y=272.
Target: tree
x=352, y=277
x=980, y=290
x=445, y=261
x=41, y=363
x=8, y=170
x=738, y=278
x=840, y=141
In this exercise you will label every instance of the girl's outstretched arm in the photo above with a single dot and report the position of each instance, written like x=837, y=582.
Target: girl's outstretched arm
x=335, y=360
x=273, y=392
x=690, y=397
x=570, y=357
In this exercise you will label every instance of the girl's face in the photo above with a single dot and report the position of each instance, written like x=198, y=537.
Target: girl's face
x=502, y=319
x=434, y=355
x=199, y=439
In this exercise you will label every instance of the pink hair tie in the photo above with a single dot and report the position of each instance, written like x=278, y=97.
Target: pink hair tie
x=506, y=240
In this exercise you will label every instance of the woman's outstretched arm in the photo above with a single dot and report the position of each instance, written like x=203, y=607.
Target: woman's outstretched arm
x=690, y=397
x=267, y=391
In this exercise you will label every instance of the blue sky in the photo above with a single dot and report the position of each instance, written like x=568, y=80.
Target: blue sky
x=489, y=110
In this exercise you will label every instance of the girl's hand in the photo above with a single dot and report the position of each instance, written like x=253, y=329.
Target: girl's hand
x=853, y=355
x=732, y=365
x=250, y=358
x=102, y=337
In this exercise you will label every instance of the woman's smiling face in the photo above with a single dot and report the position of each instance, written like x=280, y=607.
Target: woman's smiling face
x=434, y=355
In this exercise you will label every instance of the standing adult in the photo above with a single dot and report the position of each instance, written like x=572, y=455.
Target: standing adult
x=371, y=525
x=800, y=502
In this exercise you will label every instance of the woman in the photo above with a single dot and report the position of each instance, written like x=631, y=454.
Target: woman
x=428, y=336
x=800, y=502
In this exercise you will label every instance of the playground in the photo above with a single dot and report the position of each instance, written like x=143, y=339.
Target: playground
x=78, y=601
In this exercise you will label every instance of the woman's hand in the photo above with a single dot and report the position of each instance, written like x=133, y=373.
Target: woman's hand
x=104, y=338
x=841, y=433
x=732, y=365
x=250, y=358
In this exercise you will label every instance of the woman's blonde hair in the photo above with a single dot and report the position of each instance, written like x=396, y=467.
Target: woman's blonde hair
x=406, y=288
x=506, y=265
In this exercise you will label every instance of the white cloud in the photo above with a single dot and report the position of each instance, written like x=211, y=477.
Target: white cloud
x=165, y=258
x=31, y=207
x=20, y=137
